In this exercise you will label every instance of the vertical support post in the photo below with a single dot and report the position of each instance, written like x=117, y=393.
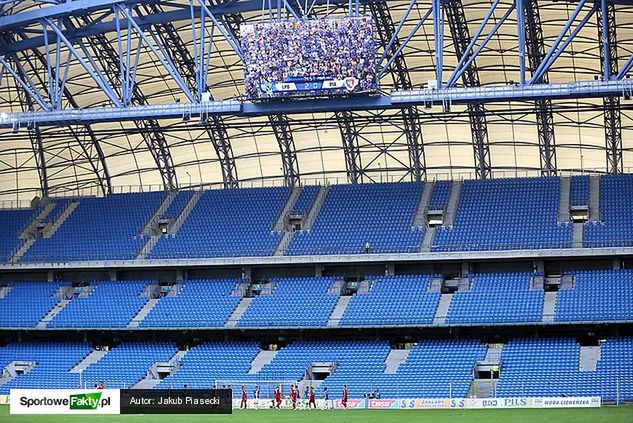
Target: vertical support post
x=606, y=47
x=520, y=6
x=438, y=32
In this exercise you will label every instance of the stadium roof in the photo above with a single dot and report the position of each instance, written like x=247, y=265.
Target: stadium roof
x=361, y=146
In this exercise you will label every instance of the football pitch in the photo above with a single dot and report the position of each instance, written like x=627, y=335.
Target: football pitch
x=594, y=415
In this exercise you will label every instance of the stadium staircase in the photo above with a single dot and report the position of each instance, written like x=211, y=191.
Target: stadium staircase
x=153, y=293
x=316, y=207
x=280, y=223
x=594, y=198
x=419, y=218
x=394, y=359
x=549, y=306
x=446, y=297
x=563, y=199
x=442, y=309
x=589, y=357
x=484, y=383
x=90, y=359
x=142, y=313
x=15, y=369
x=182, y=217
x=262, y=358
x=453, y=201
x=161, y=370
x=150, y=230
x=65, y=294
x=339, y=309
x=28, y=233
x=239, y=311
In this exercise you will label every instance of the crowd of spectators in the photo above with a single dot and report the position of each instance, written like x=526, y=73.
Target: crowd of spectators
x=304, y=51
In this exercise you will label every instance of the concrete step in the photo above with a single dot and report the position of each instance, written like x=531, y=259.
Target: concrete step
x=577, y=234
x=169, y=198
x=594, y=198
x=150, y=243
x=453, y=201
x=427, y=239
x=563, y=199
x=316, y=207
x=153, y=375
x=52, y=313
x=339, y=309
x=419, y=218
x=284, y=243
x=287, y=208
x=493, y=354
x=589, y=357
x=263, y=358
x=394, y=359
x=89, y=360
x=43, y=214
x=185, y=213
x=26, y=244
x=549, y=306
x=70, y=208
x=483, y=388
x=442, y=309
x=143, y=312
x=239, y=311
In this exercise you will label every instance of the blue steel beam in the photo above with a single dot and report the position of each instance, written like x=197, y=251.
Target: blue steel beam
x=396, y=100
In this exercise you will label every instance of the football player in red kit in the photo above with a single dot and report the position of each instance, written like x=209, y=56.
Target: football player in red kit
x=293, y=396
x=344, y=398
x=244, y=398
x=278, y=397
x=312, y=401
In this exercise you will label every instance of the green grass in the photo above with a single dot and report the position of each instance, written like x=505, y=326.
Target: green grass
x=593, y=415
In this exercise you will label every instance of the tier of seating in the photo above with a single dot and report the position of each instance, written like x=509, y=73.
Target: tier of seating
x=208, y=304
x=579, y=191
x=296, y=302
x=126, y=364
x=306, y=199
x=402, y=300
x=24, y=304
x=355, y=216
x=434, y=368
x=107, y=304
x=440, y=194
x=12, y=222
x=506, y=214
x=497, y=298
x=52, y=363
x=227, y=223
x=615, y=228
x=96, y=230
x=494, y=214
x=394, y=300
x=551, y=367
x=597, y=294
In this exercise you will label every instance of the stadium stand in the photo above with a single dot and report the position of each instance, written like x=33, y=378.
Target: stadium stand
x=297, y=302
x=440, y=195
x=597, y=295
x=107, y=304
x=306, y=199
x=615, y=228
x=11, y=224
x=497, y=298
x=126, y=364
x=227, y=223
x=198, y=303
x=579, y=191
x=352, y=215
x=95, y=231
x=45, y=364
x=23, y=304
x=393, y=300
x=551, y=367
x=502, y=214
